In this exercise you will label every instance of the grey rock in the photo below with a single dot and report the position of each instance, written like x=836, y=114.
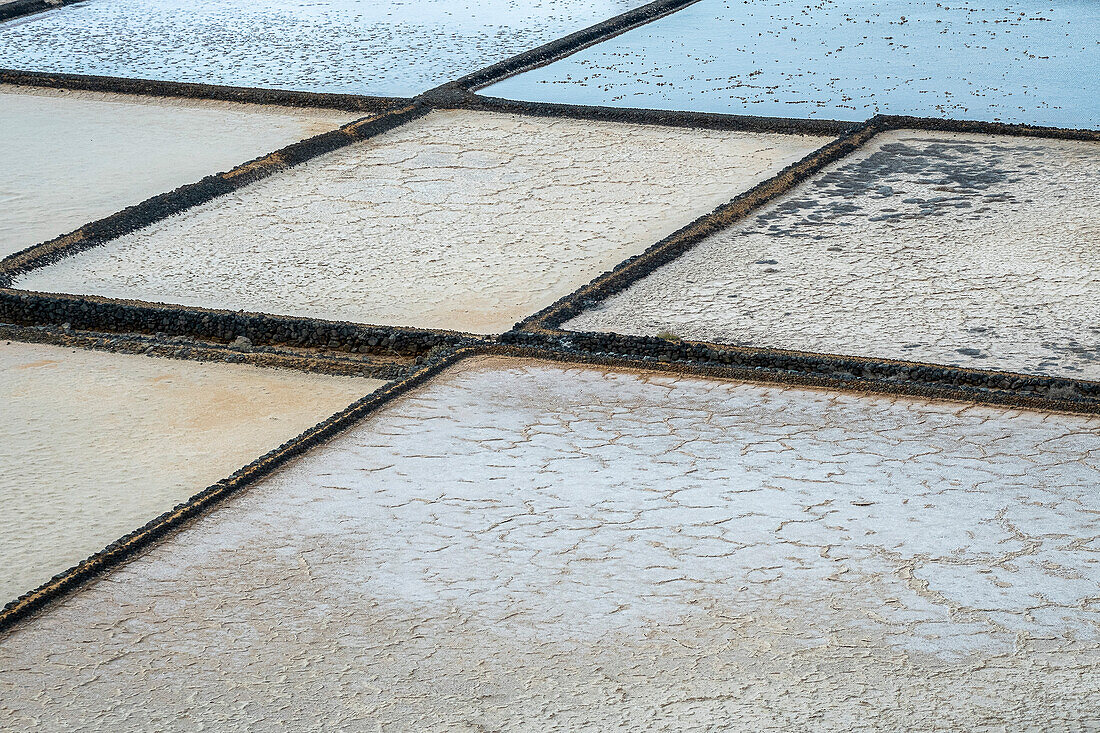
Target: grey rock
x=241, y=343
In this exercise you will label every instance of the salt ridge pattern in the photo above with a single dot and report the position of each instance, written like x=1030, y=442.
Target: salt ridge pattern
x=460, y=220
x=588, y=549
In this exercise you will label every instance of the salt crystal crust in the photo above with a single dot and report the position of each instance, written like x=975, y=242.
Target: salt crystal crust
x=960, y=249
x=460, y=220
x=523, y=544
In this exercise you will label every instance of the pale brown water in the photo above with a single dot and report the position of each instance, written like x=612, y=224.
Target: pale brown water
x=93, y=445
x=73, y=157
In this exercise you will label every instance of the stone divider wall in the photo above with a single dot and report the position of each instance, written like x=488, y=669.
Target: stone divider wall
x=382, y=366
x=93, y=313
x=848, y=372
x=553, y=51
x=190, y=90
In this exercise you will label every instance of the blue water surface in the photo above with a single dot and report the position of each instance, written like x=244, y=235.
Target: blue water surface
x=1020, y=62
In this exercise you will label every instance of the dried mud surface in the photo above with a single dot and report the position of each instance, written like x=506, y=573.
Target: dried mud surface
x=1020, y=62
x=94, y=444
x=372, y=47
x=970, y=250
x=74, y=157
x=460, y=220
x=523, y=545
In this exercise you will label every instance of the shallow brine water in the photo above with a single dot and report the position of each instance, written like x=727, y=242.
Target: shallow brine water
x=352, y=46
x=1021, y=62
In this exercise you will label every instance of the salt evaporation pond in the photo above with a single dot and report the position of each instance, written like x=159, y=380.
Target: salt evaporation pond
x=1020, y=62
x=350, y=46
x=458, y=220
x=970, y=250
x=74, y=157
x=95, y=444
x=592, y=549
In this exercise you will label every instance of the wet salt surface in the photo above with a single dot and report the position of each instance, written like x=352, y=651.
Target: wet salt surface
x=461, y=220
x=74, y=157
x=1021, y=62
x=521, y=544
x=94, y=445
x=971, y=250
x=348, y=46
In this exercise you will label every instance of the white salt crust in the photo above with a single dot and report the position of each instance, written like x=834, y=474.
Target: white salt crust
x=521, y=545
x=970, y=250
x=461, y=220
x=95, y=445
x=73, y=157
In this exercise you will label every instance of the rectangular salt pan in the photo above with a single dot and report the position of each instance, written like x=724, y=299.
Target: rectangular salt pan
x=94, y=445
x=375, y=47
x=1022, y=62
x=523, y=542
x=969, y=250
x=459, y=220
x=74, y=157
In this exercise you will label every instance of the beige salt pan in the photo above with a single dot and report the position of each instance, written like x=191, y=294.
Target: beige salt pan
x=96, y=444
x=460, y=220
x=74, y=157
x=522, y=545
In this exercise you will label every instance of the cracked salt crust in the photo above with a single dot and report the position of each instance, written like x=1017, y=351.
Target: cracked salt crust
x=352, y=46
x=460, y=220
x=843, y=60
x=970, y=250
x=525, y=545
x=94, y=445
x=74, y=157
